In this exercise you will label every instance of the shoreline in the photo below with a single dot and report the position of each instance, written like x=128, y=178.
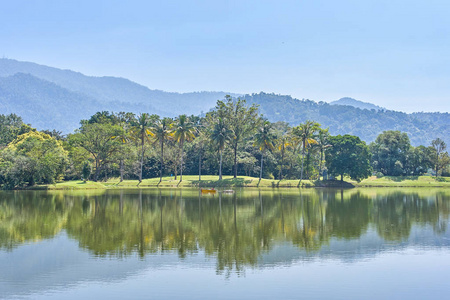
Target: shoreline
x=191, y=181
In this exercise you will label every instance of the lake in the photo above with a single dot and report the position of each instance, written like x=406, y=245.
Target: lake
x=251, y=244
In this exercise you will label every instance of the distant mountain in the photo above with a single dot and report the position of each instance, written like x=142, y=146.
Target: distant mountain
x=422, y=128
x=356, y=103
x=107, y=90
x=51, y=98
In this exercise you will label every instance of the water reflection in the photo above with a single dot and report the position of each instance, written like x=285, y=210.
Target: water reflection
x=237, y=230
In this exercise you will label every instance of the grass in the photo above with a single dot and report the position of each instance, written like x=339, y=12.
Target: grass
x=208, y=181
x=404, y=181
x=246, y=181
x=73, y=185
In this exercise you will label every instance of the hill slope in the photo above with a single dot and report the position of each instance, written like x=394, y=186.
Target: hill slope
x=422, y=128
x=119, y=90
x=356, y=103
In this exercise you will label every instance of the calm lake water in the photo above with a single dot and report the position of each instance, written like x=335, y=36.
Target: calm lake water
x=252, y=244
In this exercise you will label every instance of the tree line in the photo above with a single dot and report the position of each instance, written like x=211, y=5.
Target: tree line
x=233, y=139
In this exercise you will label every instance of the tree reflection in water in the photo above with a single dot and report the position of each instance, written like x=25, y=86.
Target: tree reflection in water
x=234, y=228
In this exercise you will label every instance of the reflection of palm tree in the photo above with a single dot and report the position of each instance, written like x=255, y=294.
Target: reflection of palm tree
x=219, y=136
x=162, y=133
x=264, y=140
x=304, y=134
x=183, y=131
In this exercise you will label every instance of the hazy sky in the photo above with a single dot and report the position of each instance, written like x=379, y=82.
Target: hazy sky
x=392, y=53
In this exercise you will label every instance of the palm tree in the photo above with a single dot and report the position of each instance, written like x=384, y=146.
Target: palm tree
x=304, y=134
x=264, y=140
x=183, y=131
x=220, y=135
x=440, y=146
x=123, y=138
x=322, y=145
x=141, y=131
x=284, y=142
x=162, y=133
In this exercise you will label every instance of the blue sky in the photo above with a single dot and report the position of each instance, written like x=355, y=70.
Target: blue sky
x=395, y=54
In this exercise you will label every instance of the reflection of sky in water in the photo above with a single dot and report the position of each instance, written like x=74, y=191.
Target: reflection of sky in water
x=351, y=269
x=416, y=265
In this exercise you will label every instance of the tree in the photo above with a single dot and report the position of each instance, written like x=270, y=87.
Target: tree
x=162, y=133
x=86, y=171
x=322, y=145
x=33, y=157
x=141, y=131
x=304, y=134
x=390, y=152
x=240, y=119
x=99, y=140
x=183, y=131
x=348, y=155
x=219, y=136
x=264, y=139
x=283, y=142
x=439, y=146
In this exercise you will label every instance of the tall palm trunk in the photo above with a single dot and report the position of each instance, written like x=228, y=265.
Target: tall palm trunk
x=261, y=171
x=142, y=159
x=301, y=173
x=162, y=161
x=220, y=165
x=181, y=153
x=200, y=166
x=235, y=161
x=282, y=161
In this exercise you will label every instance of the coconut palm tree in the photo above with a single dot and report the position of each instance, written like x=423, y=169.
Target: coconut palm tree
x=183, y=131
x=141, y=132
x=264, y=139
x=322, y=145
x=220, y=135
x=304, y=134
x=162, y=131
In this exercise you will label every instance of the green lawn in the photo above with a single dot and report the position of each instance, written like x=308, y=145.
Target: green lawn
x=245, y=181
x=404, y=181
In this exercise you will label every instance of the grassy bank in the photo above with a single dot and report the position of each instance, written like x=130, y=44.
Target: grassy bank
x=245, y=181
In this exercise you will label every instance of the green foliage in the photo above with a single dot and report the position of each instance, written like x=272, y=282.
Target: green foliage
x=33, y=157
x=390, y=152
x=87, y=169
x=348, y=155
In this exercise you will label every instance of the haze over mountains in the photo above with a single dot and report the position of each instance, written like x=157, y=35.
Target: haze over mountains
x=51, y=98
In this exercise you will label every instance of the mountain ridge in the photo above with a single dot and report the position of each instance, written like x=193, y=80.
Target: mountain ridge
x=48, y=98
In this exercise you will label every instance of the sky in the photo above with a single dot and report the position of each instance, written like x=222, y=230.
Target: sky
x=392, y=53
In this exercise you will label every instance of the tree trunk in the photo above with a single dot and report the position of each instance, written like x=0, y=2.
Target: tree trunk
x=235, y=161
x=342, y=177
x=261, y=171
x=121, y=170
x=142, y=160
x=162, y=161
x=97, y=169
x=200, y=166
x=282, y=161
x=301, y=173
x=220, y=165
x=181, y=153
x=320, y=163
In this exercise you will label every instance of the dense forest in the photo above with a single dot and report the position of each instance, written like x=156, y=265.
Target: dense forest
x=232, y=139
x=53, y=98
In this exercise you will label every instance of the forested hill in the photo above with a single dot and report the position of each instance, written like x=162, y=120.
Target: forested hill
x=109, y=90
x=51, y=98
x=343, y=119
